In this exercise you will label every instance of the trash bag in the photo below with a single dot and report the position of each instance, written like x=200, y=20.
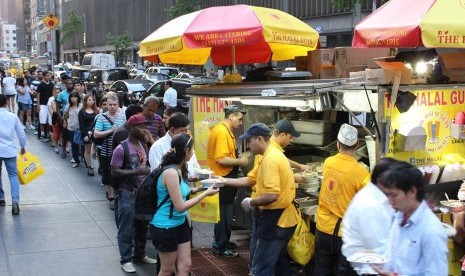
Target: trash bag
x=301, y=247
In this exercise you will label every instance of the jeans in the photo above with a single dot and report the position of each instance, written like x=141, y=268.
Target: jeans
x=270, y=256
x=253, y=239
x=130, y=229
x=12, y=171
x=223, y=228
x=74, y=147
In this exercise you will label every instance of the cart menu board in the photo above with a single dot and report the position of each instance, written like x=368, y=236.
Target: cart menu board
x=207, y=112
x=434, y=110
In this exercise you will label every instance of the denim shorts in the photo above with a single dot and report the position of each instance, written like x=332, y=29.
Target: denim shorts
x=23, y=106
x=167, y=239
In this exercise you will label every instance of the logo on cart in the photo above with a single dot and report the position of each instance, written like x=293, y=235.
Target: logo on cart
x=437, y=126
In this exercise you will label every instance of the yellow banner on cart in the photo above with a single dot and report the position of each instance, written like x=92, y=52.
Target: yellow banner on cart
x=207, y=113
x=434, y=110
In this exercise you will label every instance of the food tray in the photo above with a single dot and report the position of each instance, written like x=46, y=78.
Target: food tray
x=206, y=183
x=367, y=258
x=453, y=205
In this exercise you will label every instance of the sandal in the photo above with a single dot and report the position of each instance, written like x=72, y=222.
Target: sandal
x=90, y=171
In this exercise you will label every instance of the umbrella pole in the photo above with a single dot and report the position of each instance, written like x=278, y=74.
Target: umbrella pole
x=233, y=55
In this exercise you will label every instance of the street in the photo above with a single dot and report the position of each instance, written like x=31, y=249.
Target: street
x=65, y=226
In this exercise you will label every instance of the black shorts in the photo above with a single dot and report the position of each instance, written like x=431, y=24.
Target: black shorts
x=167, y=239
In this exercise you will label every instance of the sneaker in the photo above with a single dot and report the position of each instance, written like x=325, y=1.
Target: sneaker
x=232, y=245
x=227, y=253
x=36, y=132
x=75, y=165
x=128, y=267
x=72, y=161
x=90, y=171
x=45, y=140
x=31, y=127
x=15, y=209
x=67, y=150
x=112, y=204
x=145, y=260
x=56, y=151
x=24, y=127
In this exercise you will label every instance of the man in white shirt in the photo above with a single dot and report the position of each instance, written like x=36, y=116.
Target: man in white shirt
x=365, y=226
x=170, y=98
x=11, y=126
x=177, y=123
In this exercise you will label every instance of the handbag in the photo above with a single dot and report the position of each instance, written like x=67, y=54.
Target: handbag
x=207, y=210
x=29, y=168
x=301, y=246
x=77, y=138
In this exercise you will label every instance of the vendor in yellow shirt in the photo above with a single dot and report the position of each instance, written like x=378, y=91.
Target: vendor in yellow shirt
x=343, y=177
x=275, y=192
x=283, y=134
x=223, y=160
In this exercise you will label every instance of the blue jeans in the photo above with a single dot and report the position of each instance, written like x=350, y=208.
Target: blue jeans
x=223, y=228
x=270, y=256
x=130, y=229
x=12, y=171
x=74, y=147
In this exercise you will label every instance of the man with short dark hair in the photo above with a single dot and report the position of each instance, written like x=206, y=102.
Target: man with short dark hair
x=11, y=126
x=44, y=92
x=131, y=231
x=170, y=98
x=343, y=177
x=224, y=160
x=417, y=240
x=155, y=125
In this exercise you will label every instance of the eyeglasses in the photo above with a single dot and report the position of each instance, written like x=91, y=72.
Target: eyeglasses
x=141, y=156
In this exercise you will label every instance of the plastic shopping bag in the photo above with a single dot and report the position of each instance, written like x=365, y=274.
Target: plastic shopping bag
x=207, y=210
x=29, y=167
x=301, y=247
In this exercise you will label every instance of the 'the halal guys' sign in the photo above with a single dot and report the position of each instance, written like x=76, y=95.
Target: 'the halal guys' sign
x=434, y=110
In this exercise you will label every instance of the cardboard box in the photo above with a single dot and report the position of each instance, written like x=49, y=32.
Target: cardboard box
x=321, y=60
x=344, y=72
x=345, y=57
x=457, y=131
x=359, y=75
x=453, y=66
x=387, y=73
x=301, y=63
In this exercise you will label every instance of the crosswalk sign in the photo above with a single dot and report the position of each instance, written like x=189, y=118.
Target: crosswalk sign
x=51, y=21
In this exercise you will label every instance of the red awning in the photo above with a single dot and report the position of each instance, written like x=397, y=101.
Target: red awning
x=394, y=25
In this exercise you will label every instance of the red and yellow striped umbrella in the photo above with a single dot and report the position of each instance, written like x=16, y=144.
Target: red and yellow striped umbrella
x=230, y=34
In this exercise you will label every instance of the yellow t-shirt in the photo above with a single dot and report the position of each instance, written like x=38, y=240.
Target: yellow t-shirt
x=221, y=143
x=274, y=176
x=343, y=177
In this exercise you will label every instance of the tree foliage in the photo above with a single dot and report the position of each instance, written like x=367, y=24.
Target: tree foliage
x=350, y=4
x=120, y=42
x=72, y=28
x=182, y=7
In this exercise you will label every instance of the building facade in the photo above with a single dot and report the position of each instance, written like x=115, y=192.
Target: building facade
x=9, y=39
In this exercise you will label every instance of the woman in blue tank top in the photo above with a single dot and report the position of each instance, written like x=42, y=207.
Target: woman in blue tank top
x=169, y=227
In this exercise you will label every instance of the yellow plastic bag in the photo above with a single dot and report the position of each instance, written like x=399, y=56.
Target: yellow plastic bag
x=301, y=247
x=29, y=167
x=207, y=210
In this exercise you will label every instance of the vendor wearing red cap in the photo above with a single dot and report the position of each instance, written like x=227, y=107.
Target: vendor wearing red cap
x=223, y=160
x=131, y=170
x=343, y=177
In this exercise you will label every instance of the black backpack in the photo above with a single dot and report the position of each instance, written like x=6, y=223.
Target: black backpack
x=147, y=196
x=99, y=141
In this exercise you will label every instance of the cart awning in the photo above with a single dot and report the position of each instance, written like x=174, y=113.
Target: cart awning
x=394, y=25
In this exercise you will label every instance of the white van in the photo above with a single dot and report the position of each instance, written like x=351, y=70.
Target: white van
x=99, y=60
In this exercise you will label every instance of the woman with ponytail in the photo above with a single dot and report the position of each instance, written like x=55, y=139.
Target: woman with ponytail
x=169, y=228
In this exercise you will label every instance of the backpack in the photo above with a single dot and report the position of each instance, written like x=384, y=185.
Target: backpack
x=147, y=195
x=115, y=181
x=99, y=141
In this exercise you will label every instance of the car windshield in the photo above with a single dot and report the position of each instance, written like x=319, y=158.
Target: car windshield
x=168, y=72
x=139, y=86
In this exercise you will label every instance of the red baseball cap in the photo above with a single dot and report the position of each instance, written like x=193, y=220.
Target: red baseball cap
x=135, y=120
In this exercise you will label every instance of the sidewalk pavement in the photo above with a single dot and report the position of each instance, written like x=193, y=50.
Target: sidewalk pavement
x=65, y=226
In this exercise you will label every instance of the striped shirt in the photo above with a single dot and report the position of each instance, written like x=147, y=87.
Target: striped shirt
x=156, y=127
x=102, y=124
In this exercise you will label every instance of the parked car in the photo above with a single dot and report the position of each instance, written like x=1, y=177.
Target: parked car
x=158, y=90
x=58, y=70
x=134, y=72
x=80, y=73
x=152, y=76
x=170, y=71
x=107, y=76
x=99, y=60
x=130, y=90
x=195, y=78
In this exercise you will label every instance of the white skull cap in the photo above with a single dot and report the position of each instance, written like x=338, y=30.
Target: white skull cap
x=347, y=135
